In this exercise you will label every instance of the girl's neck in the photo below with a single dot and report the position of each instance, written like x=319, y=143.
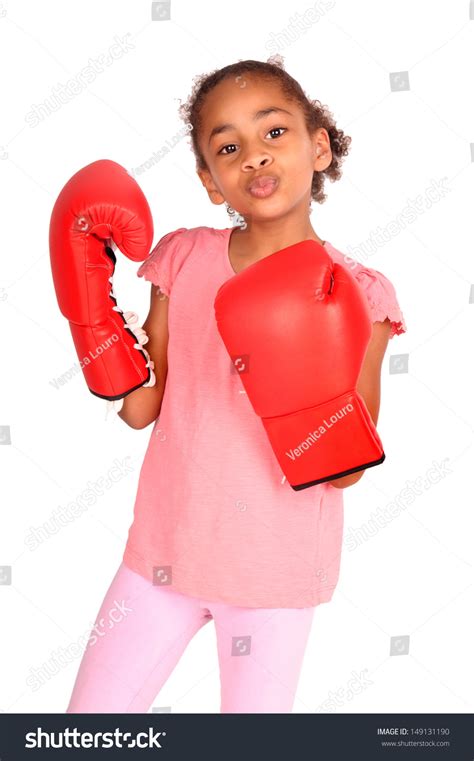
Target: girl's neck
x=256, y=241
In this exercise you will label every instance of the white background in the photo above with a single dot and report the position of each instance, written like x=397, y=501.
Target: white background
x=401, y=616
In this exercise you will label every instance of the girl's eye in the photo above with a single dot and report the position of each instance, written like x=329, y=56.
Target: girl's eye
x=275, y=129
x=232, y=145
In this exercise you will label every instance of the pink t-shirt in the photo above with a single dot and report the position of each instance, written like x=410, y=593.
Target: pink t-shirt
x=213, y=510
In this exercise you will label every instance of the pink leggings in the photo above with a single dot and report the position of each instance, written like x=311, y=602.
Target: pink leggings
x=142, y=630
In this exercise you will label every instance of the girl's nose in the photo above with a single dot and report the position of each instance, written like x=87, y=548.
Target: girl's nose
x=255, y=161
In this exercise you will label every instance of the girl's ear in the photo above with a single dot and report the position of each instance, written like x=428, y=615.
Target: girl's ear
x=322, y=150
x=214, y=195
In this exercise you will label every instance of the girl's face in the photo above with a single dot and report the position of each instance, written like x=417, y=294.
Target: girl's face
x=250, y=129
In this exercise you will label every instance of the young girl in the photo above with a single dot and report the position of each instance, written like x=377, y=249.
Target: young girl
x=218, y=533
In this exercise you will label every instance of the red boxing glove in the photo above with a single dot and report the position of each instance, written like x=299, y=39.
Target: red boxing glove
x=101, y=202
x=299, y=326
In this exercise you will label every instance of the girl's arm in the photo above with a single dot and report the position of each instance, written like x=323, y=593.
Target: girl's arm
x=142, y=407
x=368, y=385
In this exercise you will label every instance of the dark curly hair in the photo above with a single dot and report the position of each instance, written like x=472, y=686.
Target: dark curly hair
x=316, y=115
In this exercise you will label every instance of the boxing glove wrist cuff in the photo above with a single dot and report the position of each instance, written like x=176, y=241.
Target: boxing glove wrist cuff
x=112, y=357
x=317, y=444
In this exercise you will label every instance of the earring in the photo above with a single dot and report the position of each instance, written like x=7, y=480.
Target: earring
x=230, y=210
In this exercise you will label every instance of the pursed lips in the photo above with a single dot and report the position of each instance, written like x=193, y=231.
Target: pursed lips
x=263, y=185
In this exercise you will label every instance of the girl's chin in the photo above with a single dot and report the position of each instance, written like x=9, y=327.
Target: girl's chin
x=265, y=209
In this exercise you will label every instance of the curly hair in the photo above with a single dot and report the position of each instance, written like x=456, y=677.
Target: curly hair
x=316, y=115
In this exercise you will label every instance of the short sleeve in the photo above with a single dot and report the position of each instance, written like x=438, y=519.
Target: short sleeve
x=165, y=260
x=378, y=289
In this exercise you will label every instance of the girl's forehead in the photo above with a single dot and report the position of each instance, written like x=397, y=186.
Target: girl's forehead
x=236, y=97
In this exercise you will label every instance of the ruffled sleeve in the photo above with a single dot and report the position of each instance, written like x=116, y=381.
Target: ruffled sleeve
x=166, y=259
x=378, y=289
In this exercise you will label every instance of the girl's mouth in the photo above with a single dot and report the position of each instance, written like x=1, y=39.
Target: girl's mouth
x=263, y=186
